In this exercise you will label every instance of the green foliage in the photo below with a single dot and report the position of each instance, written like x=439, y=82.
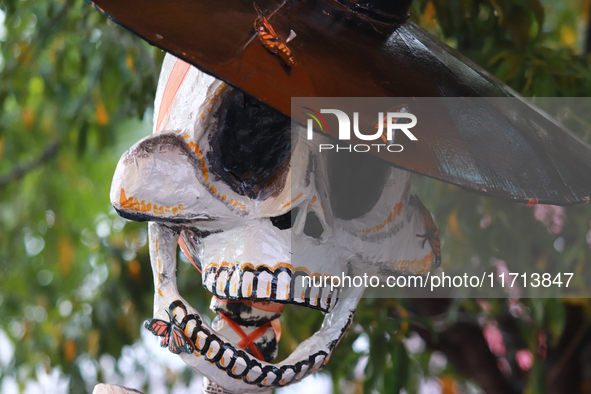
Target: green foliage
x=75, y=280
x=70, y=85
x=535, y=52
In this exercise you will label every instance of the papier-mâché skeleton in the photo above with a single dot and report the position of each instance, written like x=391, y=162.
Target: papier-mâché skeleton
x=256, y=207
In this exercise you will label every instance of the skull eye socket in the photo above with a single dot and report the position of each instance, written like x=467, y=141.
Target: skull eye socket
x=356, y=182
x=251, y=146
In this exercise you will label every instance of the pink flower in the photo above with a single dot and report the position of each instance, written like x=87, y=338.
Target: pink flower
x=494, y=339
x=552, y=216
x=524, y=359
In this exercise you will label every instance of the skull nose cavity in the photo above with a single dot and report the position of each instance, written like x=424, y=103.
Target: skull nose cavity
x=313, y=226
x=285, y=221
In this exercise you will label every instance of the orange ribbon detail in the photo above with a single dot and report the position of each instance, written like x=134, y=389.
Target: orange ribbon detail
x=248, y=340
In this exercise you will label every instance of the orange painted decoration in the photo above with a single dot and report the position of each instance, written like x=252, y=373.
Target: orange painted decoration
x=177, y=75
x=397, y=211
x=186, y=252
x=289, y=203
x=271, y=40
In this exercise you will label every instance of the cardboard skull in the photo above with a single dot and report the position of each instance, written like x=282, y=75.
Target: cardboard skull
x=256, y=208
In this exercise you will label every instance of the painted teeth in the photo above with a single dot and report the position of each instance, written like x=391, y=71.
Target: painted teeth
x=221, y=282
x=213, y=350
x=318, y=362
x=314, y=294
x=201, y=340
x=265, y=280
x=269, y=379
x=239, y=366
x=303, y=370
x=333, y=301
x=324, y=302
x=226, y=358
x=209, y=282
x=287, y=376
x=235, y=284
x=254, y=374
x=283, y=281
x=281, y=285
x=247, y=284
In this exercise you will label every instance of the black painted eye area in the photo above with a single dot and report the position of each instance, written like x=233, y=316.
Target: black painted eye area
x=250, y=150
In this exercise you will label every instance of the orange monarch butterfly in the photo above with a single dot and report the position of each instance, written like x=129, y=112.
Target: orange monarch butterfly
x=271, y=40
x=173, y=334
x=432, y=234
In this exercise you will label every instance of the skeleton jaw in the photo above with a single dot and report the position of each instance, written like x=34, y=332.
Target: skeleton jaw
x=223, y=361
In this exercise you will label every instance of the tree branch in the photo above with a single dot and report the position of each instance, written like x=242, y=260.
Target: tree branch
x=19, y=171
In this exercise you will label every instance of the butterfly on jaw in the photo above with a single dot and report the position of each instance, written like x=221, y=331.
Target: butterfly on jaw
x=172, y=333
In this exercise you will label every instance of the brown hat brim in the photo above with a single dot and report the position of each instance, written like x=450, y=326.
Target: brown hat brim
x=341, y=53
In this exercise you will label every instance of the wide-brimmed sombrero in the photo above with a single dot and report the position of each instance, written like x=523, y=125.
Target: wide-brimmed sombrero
x=369, y=49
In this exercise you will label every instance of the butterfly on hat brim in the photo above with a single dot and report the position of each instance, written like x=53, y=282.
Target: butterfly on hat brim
x=270, y=39
x=432, y=234
x=173, y=334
